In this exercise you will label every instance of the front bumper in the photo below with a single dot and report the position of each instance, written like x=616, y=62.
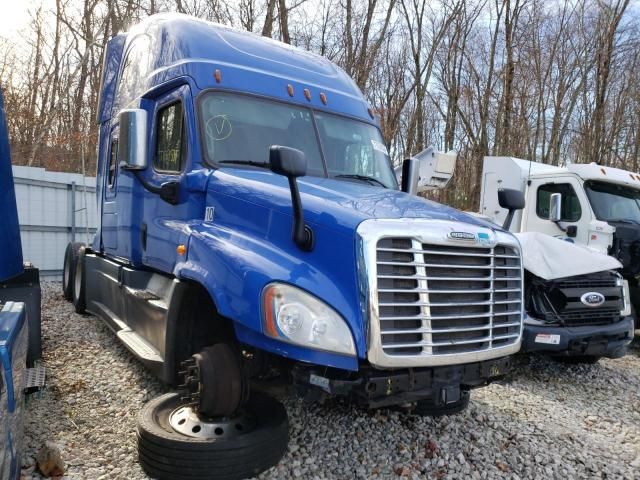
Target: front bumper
x=381, y=388
x=602, y=340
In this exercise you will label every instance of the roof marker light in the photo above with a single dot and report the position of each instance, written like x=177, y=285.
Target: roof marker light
x=290, y=90
x=307, y=94
x=217, y=75
x=323, y=98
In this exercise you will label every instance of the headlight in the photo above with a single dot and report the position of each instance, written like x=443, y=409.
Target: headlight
x=294, y=316
x=626, y=311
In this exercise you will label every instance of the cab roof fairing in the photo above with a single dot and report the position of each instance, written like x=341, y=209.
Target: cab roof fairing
x=593, y=171
x=586, y=171
x=182, y=45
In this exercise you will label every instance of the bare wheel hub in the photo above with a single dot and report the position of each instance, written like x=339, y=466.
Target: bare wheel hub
x=185, y=420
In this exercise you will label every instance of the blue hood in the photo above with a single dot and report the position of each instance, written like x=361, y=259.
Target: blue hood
x=336, y=204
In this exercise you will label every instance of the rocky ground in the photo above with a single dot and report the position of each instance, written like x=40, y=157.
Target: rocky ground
x=548, y=420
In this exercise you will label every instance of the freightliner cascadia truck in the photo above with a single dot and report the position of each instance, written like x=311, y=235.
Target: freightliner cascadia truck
x=251, y=227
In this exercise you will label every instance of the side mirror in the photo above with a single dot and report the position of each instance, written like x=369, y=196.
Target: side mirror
x=512, y=200
x=132, y=141
x=292, y=164
x=170, y=192
x=287, y=161
x=410, y=176
x=555, y=207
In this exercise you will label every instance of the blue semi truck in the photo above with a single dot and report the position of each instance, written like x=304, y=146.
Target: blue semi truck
x=252, y=228
x=14, y=336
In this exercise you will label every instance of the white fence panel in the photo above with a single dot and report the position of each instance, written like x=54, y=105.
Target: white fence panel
x=54, y=208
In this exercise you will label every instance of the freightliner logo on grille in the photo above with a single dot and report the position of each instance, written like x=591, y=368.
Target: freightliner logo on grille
x=462, y=236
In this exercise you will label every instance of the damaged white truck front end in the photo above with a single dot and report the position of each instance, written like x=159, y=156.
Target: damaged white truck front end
x=578, y=305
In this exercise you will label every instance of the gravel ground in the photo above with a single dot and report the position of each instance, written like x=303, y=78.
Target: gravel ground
x=547, y=421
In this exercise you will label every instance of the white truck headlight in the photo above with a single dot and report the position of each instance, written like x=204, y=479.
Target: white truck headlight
x=626, y=311
x=295, y=316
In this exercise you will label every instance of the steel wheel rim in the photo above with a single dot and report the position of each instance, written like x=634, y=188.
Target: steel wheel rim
x=186, y=421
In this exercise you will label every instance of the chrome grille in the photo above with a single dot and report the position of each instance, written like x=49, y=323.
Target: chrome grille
x=447, y=299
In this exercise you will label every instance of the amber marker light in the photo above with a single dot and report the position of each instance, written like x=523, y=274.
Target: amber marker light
x=290, y=90
x=269, y=321
x=217, y=75
x=181, y=249
x=323, y=98
x=307, y=94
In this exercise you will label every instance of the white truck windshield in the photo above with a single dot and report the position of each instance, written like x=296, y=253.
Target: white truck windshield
x=240, y=129
x=611, y=202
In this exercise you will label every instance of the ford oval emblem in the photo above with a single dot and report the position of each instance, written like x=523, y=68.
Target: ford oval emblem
x=592, y=299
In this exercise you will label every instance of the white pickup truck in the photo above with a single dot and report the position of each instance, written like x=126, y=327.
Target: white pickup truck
x=589, y=204
x=577, y=303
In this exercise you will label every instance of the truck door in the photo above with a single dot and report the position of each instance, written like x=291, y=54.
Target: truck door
x=575, y=207
x=173, y=153
x=109, y=208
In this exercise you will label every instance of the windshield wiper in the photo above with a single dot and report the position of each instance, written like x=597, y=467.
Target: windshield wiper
x=251, y=163
x=364, y=178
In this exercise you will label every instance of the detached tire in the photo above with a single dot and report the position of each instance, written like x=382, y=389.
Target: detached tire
x=428, y=409
x=79, y=281
x=69, y=269
x=166, y=454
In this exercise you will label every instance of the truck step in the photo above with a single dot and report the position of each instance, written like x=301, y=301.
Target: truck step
x=35, y=377
x=139, y=345
x=147, y=296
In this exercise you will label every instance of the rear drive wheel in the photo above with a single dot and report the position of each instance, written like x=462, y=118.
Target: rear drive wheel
x=69, y=268
x=79, y=296
x=429, y=409
x=175, y=442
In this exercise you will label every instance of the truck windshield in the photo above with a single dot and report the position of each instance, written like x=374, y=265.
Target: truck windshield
x=611, y=202
x=239, y=129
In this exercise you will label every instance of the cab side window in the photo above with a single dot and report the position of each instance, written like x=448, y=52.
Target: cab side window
x=571, y=211
x=169, y=139
x=113, y=164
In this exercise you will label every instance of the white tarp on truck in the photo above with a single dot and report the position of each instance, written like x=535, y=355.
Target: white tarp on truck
x=549, y=258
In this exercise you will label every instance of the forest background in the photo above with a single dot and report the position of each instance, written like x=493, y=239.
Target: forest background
x=549, y=80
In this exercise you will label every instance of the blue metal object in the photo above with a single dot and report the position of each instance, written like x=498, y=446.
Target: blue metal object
x=13, y=357
x=10, y=246
x=236, y=223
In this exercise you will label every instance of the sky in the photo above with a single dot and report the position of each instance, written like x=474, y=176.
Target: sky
x=15, y=16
